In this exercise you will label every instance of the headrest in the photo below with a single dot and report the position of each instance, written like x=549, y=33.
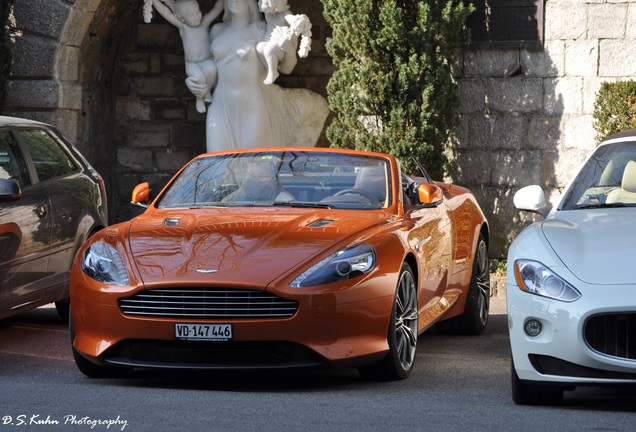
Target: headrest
x=262, y=170
x=629, y=177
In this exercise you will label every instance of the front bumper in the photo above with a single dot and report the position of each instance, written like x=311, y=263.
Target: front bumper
x=331, y=328
x=563, y=352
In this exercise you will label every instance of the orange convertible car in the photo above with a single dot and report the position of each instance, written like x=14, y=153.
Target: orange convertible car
x=283, y=257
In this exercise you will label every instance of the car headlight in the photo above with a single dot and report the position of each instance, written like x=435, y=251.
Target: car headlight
x=536, y=278
x=103, y=263
x=342, y=265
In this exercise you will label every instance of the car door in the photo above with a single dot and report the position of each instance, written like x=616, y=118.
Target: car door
x=69, y=193
x=430, y=237
x=25, y=231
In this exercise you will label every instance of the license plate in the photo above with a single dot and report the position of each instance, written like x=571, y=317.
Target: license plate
x=203, y=332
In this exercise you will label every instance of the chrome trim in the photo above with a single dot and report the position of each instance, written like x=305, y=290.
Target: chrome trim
x=207, y=303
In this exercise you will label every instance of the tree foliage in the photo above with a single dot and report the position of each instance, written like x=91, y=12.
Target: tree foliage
x=5, y=52
x=393, y=90
x=615, y=108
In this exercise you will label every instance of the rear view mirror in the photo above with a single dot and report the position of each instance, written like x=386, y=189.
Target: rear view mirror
x=141, y=195
x=532, y=199
x=429, y=194
x=9, y=191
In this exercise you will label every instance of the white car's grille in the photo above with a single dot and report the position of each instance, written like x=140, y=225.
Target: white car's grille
x=612, y=334
x=207, y=303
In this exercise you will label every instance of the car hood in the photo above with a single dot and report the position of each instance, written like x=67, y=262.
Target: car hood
x=240, y=247
x=597, y=245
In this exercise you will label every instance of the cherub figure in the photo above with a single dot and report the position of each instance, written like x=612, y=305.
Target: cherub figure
x=194, y=30
x=282, y=28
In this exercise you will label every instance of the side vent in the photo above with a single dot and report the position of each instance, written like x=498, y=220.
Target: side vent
x=171, y=222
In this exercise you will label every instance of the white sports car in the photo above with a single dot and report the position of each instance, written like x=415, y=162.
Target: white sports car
x=571, y=284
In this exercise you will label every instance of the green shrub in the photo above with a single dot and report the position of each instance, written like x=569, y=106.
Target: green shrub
x=5, y=52
x=615, y=108
x=393, y=90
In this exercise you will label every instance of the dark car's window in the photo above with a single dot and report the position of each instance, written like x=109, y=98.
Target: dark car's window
x=49, y=159
x=12, y=165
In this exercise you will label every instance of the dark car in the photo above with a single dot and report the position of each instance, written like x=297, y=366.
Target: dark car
x=51, y=201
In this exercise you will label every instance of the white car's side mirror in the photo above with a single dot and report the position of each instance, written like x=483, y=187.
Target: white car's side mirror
x=532, y=199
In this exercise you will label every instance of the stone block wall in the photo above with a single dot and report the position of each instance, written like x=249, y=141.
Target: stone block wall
x=527, y=116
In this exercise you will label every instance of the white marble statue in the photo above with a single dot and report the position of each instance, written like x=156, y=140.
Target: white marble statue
x=194, y=31
x=245, y=112
x=283, y=29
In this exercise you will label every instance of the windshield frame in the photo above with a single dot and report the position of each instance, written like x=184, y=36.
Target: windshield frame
x=299, y=177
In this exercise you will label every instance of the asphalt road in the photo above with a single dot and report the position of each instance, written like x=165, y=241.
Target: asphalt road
x=459, y=384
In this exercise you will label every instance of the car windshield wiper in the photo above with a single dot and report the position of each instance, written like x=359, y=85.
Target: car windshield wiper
x=603, y=205
x=301, y=204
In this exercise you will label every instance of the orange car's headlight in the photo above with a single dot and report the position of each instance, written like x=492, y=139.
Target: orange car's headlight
x=103, y=263
x=342, y=265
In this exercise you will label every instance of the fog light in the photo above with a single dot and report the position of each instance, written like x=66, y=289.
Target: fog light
x=533, y=328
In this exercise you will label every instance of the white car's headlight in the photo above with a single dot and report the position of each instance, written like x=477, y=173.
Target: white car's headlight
x=337, y=267
x=536, y=278
x=103, y=263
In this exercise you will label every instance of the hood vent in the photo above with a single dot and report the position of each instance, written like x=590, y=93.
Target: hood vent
x=319, y=223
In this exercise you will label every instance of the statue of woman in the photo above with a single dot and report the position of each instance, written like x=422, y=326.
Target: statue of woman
x=244, y=111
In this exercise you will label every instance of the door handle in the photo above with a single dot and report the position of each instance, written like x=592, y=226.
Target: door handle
x=41, y=211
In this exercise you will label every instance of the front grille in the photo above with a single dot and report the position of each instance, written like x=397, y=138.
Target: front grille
x=207, y=303
x=612, y=334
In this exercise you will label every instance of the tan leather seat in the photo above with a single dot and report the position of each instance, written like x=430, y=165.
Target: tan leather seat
x=627, y=192
x=372, y=180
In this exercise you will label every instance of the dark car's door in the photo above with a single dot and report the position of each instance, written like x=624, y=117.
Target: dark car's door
x=69, y=193
x=25, y=231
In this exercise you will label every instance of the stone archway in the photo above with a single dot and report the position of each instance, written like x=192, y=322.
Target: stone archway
x=63, y=60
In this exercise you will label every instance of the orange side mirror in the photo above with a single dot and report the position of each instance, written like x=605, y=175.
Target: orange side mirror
x=429, y=194
x=141, y=193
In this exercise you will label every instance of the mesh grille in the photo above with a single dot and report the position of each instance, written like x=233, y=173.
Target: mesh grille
x=207, y=303
x=613, y=335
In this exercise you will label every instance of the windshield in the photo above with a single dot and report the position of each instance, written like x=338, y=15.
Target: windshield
x=290, y=178
x=608, y=179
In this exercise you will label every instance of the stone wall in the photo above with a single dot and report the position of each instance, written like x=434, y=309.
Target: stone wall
x=114, y=85
x=527, y=115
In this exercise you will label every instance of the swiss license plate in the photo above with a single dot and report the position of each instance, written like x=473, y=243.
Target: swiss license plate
x=203, y=332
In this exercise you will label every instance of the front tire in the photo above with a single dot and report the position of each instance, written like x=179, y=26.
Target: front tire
x=474, y=319
x=529, y=394
x=62, y=307
x=402, y=334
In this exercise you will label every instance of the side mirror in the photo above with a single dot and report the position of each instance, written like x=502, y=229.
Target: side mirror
x=9, y=191
x=141, y=195
x=532, y=199
x=429, y=194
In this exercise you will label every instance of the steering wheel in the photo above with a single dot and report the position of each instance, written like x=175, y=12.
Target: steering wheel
x=357, y=191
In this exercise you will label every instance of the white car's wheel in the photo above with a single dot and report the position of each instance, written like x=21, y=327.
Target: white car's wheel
x=531, y=394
